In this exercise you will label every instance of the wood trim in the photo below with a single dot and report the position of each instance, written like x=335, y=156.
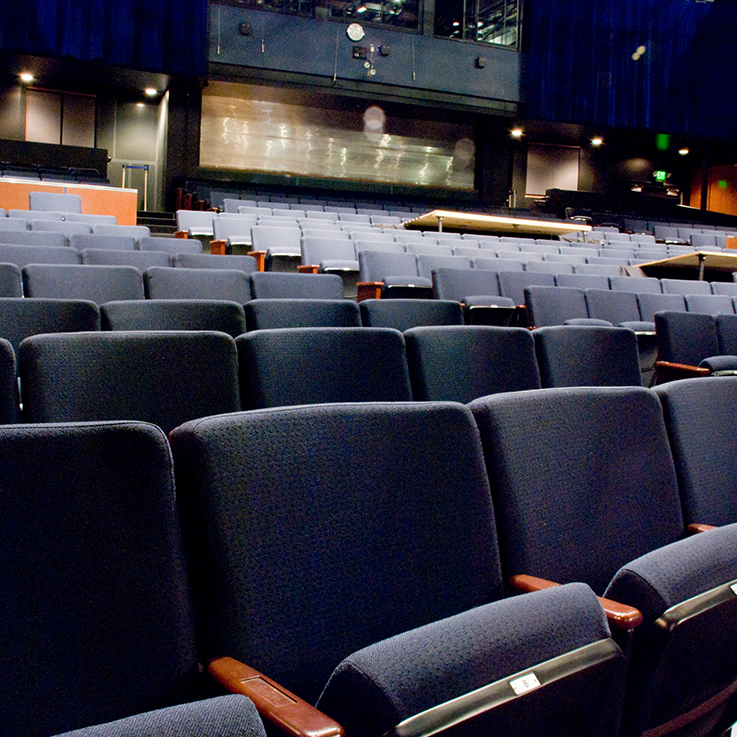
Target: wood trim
x=369, y=290
x=278, y=707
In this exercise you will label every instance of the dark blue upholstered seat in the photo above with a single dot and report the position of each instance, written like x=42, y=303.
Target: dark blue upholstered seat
x=278, y=285
x=163, y=377
x=94, y=283
x=402, y=314
x=174, y=314
x=463, y=363
x=167, y=283
x=316, y=365
x=590, y=492
x=268, y=314
x=363, y=522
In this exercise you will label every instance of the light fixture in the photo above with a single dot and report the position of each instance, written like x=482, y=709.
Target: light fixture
x=151, y=92
x=516, y=132
x=597, y=141
x=683, y=151
x=26, y=77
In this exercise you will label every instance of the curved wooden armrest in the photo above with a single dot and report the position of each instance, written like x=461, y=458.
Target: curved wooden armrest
x=621, y=616
x=671, y=371
x=260, y=257
x=368, y=290
x=309, y=268
x=695, y=527
x=181, y=234
x=278, y=707
x=218, y=247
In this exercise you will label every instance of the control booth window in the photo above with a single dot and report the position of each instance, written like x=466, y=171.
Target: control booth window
x=484, y=21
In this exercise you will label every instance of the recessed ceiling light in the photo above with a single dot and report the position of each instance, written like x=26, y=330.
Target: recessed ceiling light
x=517, y=133
x=597, y=141
x=150, y=91
x=684, y=151
x=26, y=77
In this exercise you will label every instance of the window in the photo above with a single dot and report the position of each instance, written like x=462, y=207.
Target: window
x=484, y=21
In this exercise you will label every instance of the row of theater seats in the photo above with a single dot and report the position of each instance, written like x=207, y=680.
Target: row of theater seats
x=367, y=556
x=169, y=376
x=65, y=232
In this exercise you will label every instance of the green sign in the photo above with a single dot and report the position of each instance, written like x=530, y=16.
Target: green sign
x=660, y=176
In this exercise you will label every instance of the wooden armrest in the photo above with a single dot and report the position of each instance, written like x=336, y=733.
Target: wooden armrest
x=309, y=268
x=181, y=234
x=278, y=707
x=368, y=290
x=218, y=247
x=260, y=257
x=621, y=616
x=670, y=371
x=695, y=527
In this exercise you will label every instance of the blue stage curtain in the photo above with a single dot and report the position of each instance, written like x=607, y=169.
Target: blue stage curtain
x=578, y=64
x=151, y=35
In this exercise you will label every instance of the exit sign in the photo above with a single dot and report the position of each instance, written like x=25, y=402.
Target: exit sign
x=660, y=176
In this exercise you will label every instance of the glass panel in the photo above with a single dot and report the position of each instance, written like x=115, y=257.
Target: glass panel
x=266, y=129
x=485, y=21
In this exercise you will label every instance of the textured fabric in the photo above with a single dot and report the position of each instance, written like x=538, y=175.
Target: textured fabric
x=140, y=259
x=427, y=263
x=652, y=302
x=67, y=228
x=674, y=573
x=246, y=264
x=727, y=334
x=684, y=286
x=701, y=422
x=11, y=284
x=575, y=355
x=554, y=305
x=458, y=283
x=219, y=284
x=95, y=617
x=403, y=314
x=164, y=377
x=316, y=365
x=686, y=337
x=512, y=283
x=20, y=318
x=463, y=363
x=376, y=265
x=350, y=524
x=103, y=242
x=172, y=246
x=173, y=314
x=591, y=487
x=720, y=363
x=316, y=251
x=34, y=238
x=274, y=285
x=374, y=689
x=712, y=304
x=616, y=307
x=301, y=313
x=9, y=410
x=139, y=232
x=23, y=255
x=227, y=716
x=54, y=202
x=93, y=283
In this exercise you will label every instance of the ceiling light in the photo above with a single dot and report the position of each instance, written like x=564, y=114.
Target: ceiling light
x=26, y=77
x=597, y=141
x=684, y=151
x=150, y=91
x=517, y=133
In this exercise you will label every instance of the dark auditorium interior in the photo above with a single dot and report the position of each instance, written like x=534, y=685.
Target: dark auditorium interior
x=368, y=369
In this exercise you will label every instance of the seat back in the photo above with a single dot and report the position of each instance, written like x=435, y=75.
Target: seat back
x=173, y=314
x=11, y=282
x=513, y=283
x=142, y=260
x=317, y=365
x=219, y=284
x=54, y=202
x=569, y=355
x=23, y=255
x=268, y=314
x=9, y=409
x=106, y=242
x=615, y=306
x=461, y=363
x=163, y=377
x=93, y=283
x=94, y=585
x=684, y=286
x=246, y=264
x=686, y=337
x=459, y=283
x=275, y=285
x=711, y=304
x=172, y=246
x=311, y=569
x=375, y=265
x=21, y=318
x=402, y=314
x=727, y=334
x=699, y=415
x=554, y=305
x=652, y=302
